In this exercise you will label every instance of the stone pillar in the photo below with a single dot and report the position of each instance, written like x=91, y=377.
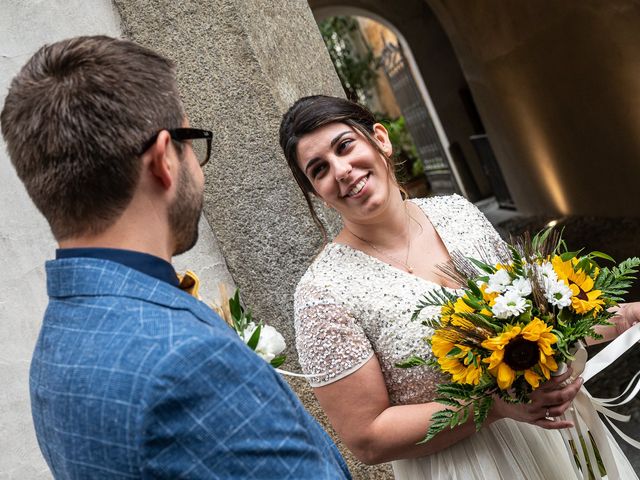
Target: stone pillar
x=241, y=64
x=556, y=84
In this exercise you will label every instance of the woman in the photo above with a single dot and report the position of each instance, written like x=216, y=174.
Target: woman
x=353, y=309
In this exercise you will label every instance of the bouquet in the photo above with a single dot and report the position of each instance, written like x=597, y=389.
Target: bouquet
x=514, y=323
x=263, y=339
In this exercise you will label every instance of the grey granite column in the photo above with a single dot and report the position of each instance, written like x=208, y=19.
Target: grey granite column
x=240, y=65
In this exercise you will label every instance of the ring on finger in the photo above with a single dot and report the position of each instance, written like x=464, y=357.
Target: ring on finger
x=547, y=413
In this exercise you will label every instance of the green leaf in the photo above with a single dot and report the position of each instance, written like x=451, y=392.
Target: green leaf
x=601, y=255
x=482, y=266
x=234, y=305
x=454, y=351
x=439, y=421
x=455, y=418
x=569, y=255
x=410, y=362
x=465, y=415
x=277, y=361
x=481, y=410
x=255, y=338
x=474, y=289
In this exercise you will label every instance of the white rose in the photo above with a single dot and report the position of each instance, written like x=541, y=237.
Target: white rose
x=270, y=344
x=509, y=305
x=498, y=282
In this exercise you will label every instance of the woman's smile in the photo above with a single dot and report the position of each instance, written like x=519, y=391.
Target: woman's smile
x=358, y=188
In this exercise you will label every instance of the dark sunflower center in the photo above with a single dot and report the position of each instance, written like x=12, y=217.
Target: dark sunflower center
x=521, y=354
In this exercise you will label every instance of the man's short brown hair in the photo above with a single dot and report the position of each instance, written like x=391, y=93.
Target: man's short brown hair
x=75, y=119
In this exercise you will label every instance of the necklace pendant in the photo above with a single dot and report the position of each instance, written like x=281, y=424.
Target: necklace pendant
x=409, y=269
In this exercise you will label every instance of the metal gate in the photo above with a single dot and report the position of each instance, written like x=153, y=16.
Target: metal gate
x=418, y=120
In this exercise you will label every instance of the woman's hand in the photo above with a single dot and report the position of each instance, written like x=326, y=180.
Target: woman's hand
x=550, y=400
x=626, y=315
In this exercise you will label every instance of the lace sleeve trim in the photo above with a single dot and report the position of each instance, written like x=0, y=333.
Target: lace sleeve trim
x=341, y=375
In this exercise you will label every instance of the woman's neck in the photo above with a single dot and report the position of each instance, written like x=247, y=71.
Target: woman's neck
x=386, y=230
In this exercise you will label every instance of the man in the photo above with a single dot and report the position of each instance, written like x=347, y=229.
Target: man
x=132, y=377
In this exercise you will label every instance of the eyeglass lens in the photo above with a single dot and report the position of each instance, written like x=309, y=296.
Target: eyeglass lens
x=199, y=146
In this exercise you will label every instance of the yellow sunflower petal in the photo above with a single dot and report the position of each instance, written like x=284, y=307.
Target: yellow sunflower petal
x=532, y=378
x=495, y=359
x=506, y=376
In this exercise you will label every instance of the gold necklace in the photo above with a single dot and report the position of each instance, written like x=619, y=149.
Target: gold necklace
x=405, y=264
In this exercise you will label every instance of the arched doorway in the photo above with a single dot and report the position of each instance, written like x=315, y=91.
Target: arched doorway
x=439, y=82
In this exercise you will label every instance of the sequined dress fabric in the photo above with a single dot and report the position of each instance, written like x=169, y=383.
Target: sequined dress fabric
x=350, y=306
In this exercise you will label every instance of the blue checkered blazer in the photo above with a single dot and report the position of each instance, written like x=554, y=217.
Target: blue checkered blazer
x=133, y=378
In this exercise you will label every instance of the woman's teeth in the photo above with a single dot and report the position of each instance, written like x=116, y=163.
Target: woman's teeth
x=359, y=186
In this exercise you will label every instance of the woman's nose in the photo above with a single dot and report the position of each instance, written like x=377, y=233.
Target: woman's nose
x=342, y=169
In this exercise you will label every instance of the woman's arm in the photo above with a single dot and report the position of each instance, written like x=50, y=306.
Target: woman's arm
x=626, y=315
x=359, y=409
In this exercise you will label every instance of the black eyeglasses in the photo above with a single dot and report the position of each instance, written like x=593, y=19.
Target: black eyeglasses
x=200, y=141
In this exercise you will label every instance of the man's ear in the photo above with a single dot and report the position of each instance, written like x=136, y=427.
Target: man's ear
x=382, y=136
x=162, y=163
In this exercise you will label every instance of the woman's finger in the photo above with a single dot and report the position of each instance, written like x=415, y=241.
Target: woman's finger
x=561, y=395
x=553, y=424
x=557, y=410
x=555, y=382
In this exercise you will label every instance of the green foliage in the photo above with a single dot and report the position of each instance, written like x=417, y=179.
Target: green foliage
x=277, y=361
x=356, y=67
x=412, y=361
x=408, y=162
x=615, y=282
x=241, y=319
x=464, y=399
x=433, y=298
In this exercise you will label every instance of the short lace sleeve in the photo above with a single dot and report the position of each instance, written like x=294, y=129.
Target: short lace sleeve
x=330, y=342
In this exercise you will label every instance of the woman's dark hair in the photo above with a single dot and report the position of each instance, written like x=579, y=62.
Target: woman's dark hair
x=310, y=113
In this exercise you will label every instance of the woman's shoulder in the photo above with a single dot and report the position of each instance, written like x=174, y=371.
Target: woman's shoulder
x=451, y=209
x=321, y=273
x=445, y=204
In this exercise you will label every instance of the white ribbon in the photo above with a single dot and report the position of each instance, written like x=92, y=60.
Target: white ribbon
x=300, y=375
x=584, y=413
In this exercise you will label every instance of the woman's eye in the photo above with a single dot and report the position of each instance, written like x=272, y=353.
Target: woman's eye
x=343, y=145
x=316, y=171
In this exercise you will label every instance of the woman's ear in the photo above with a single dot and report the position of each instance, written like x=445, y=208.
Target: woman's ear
x=382, y=136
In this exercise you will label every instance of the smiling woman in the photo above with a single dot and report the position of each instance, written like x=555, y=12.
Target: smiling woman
x=353, y=311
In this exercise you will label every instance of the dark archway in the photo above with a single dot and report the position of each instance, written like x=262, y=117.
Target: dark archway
x=432, y=55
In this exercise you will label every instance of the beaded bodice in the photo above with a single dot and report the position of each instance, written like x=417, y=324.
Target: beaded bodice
x=350, y=306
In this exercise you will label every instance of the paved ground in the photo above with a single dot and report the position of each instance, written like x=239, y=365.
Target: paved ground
x=620, y=238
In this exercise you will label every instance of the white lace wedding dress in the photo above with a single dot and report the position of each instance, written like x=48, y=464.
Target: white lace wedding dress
x=350, y=306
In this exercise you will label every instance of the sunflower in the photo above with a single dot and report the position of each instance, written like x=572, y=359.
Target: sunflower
x=520, y=349
x=456, y=359
x=584, y=298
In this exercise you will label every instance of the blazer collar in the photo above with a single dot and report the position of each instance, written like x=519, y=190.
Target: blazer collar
x=70, y=277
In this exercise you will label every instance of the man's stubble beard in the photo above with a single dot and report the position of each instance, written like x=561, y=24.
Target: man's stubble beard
x=184, y=213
